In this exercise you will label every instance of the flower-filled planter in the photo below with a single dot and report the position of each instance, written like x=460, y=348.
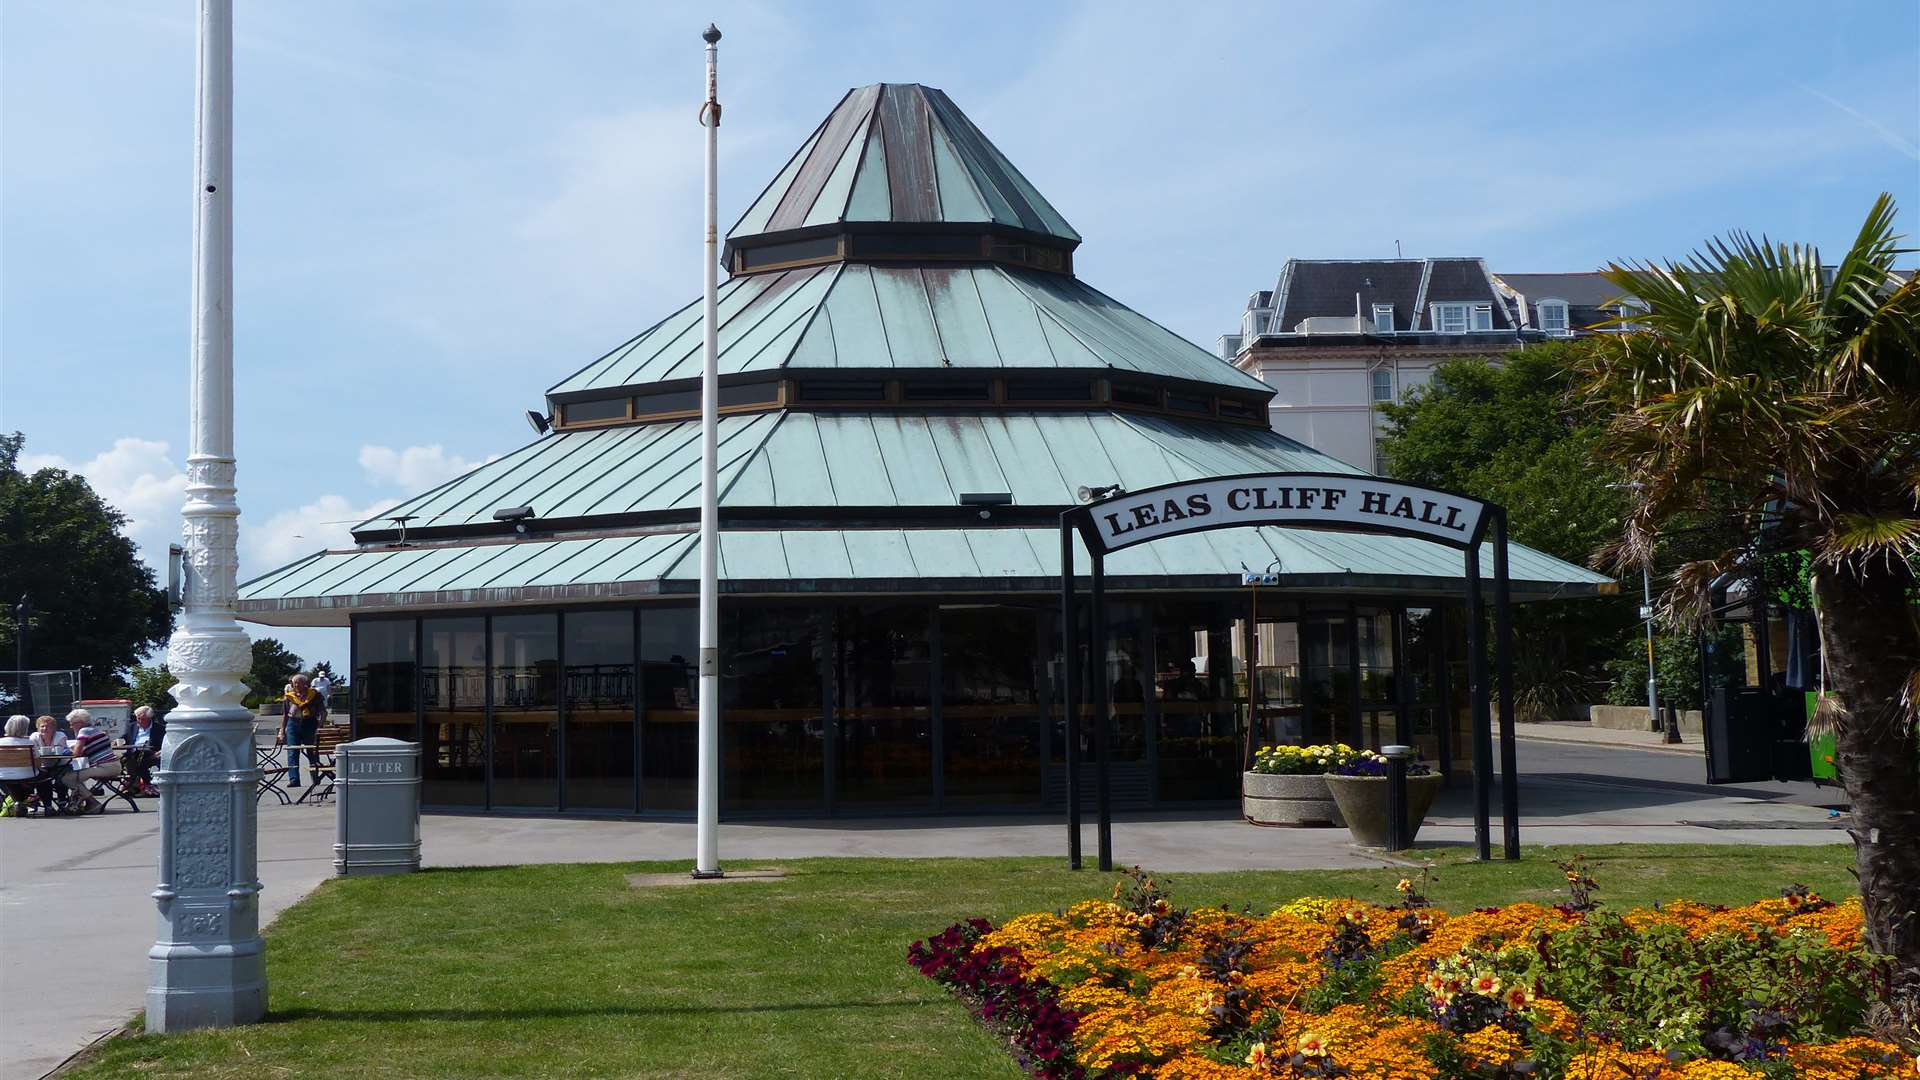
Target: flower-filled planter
x=1288, y=785
x=1361, y=794
x=1281, y=799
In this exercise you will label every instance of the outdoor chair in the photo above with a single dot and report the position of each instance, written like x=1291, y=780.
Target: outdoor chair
x=122, y=785
x=34, y=792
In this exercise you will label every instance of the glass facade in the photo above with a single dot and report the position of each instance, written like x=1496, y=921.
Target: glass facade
x=906, y=706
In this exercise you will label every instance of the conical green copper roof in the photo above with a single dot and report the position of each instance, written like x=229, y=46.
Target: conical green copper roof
x=850, y=315
x=897, y=153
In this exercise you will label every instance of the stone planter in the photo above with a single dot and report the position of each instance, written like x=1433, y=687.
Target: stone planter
x=1277, y=799
x=1363, y=803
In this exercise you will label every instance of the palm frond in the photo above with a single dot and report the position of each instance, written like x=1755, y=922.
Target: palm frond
x=1869, y=536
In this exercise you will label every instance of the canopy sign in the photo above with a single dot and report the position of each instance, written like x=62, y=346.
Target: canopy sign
x=1302, y=500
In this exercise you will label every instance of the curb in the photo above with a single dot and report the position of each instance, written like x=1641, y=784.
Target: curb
x=1657, y=748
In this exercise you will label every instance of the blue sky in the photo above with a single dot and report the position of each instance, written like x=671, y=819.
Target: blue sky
x=441, y=208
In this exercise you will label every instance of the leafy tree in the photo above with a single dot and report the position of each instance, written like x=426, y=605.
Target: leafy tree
x=273, y=665
x=152, y=686
x=93, y=602
x=1513, y=434
x=1762, y=382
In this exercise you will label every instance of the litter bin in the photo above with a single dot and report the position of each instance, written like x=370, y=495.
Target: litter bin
x=377, y=793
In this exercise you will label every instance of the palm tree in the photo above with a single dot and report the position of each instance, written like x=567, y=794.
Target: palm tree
x=1756, y=380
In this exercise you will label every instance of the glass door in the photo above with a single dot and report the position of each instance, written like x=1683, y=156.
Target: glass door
x=526, y=711
x=1271, y=682
x=453, y=689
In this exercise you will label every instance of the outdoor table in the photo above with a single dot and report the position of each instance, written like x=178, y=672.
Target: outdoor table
x=273, y=769
x=53, y=766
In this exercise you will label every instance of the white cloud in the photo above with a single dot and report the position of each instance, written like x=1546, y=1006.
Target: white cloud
x=138, y=478
x=290, y=534
x=413, y=468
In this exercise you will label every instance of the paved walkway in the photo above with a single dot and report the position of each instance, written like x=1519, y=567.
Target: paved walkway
x=95, y=873
x=1583, y=732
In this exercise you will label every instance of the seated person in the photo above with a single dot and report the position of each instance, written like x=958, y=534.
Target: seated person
x=20, y=781
x=142, y=746
x=48, y=739
x=94, y=758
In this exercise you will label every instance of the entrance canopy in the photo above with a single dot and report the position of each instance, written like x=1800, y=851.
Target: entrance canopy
x=1336, y=501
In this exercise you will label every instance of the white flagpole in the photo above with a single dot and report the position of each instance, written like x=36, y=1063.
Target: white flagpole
x=706, y=856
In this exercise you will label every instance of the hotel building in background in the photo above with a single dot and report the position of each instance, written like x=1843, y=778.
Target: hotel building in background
x=1336, y=337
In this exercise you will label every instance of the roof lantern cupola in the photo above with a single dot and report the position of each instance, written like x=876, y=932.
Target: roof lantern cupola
x=897, y=171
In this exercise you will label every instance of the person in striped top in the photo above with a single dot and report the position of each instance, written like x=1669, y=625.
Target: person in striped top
x=94, y=757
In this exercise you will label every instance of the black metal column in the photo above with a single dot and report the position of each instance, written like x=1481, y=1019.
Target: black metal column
x=1443, y=691
x=1403, y=726
x=936, y=722
x=1102, y=711
x=1482, y=716
x=1070, y=677
x=1503, y=654
x=1356, y=725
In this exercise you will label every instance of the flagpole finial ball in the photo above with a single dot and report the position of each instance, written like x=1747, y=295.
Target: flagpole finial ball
x=712, y=35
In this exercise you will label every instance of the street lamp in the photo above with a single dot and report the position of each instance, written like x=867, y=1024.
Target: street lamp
x=1646, y=617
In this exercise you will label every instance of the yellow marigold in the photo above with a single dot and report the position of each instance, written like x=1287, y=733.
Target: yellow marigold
x=1192, y=1066
x=1091, y=997
x=1313, y=908
x=1494, y=1046
x=1026, y=931
x=1713, y=1070
x=1134, y=1034
x=1853, y=1058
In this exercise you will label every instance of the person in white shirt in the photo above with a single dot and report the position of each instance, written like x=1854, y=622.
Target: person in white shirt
x=323, y=685
x=48, y=739
x=19, y=733
x=18, y=781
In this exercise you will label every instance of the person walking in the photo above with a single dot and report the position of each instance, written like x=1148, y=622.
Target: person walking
x=323, y=685
x=300, y=724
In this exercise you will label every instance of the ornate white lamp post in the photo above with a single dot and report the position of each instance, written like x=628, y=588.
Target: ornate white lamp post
x=207, y=968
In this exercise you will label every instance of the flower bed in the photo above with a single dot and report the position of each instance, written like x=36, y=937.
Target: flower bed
x=1336, y=988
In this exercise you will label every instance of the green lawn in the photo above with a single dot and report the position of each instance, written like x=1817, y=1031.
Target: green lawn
x=566, y=971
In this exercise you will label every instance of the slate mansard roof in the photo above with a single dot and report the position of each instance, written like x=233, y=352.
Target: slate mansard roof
x=1327, y=288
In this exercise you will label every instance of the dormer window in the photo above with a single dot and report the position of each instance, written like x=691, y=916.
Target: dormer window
x=1383, y=318
x=1459, y=318
x=1553, y=318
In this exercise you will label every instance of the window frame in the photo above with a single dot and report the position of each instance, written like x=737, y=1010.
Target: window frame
x=1374, y=379
x=1563, y=309
x=1378, y=311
